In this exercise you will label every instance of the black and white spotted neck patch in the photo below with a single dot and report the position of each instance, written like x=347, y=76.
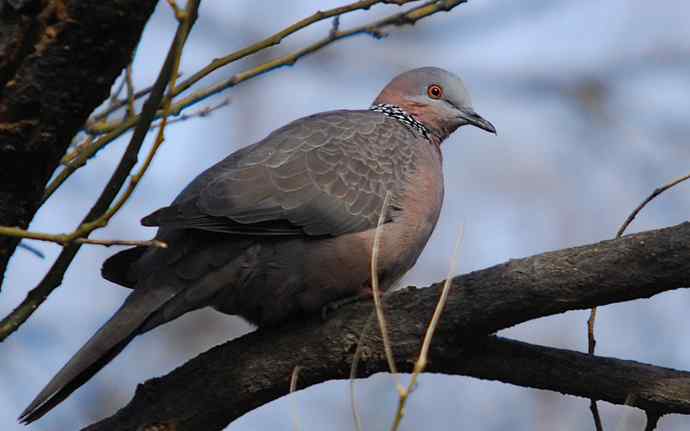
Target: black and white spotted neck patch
x=403, y=116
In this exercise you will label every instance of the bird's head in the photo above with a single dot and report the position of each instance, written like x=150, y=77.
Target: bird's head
x=434, y=97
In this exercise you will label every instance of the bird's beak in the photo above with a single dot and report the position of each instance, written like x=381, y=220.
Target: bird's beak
x=476, y=120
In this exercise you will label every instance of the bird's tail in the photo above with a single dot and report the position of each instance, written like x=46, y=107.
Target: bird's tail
x=101, y=348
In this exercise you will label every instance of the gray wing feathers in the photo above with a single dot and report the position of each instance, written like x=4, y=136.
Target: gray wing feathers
x=322, y=175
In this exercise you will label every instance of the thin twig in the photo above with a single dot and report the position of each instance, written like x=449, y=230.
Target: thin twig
x=353, y=370
x=114, y=97
x=422, y=360
x=644, y=203
x=376, y=292
x=200, y=113
x=130, y=91
x=591, y=346
x=652, y=420
x=100, y=212
x=65, y=239
x=293, y=387
x=266, y=43
x=591, y=340
x=92, y=125
x=276, y=39
x=33, y=250
x=596, y=417
x=375, y=29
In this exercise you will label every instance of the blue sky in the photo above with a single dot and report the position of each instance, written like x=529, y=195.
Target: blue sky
x=591, y=101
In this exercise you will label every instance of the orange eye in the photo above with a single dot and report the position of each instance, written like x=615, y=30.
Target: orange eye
x=435, y=91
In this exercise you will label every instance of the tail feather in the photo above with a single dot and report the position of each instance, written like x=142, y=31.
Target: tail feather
x=118, y=267
x=101, y=348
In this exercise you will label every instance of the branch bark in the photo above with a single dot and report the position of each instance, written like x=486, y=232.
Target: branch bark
x=229, y=380
x=44, y=98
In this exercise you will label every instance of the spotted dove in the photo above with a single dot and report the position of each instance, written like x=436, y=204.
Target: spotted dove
x=285, y=226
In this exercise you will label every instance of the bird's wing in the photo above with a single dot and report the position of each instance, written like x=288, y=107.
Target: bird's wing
x=326, y=174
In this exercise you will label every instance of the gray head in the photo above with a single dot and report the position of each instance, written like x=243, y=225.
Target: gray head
x=436, y=98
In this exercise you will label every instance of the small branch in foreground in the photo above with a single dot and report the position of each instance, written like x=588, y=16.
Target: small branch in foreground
x=423, y=359
x=376, y=292
x=591, y=340
x=644, y=203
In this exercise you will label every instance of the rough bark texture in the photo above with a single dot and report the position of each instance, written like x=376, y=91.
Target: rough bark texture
x=58, y=60
x=220, y=385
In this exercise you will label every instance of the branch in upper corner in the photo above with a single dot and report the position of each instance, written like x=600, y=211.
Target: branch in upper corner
x=480, y=303
x=375, y=29
x=108, y=132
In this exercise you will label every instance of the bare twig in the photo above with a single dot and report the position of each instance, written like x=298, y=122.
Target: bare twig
x=353, y=370
x=644, y=203
x=101, y=211
x=266, y=43
x=65, y=239
x=374, y=29
x=591, y=340
x=276, y=39
x=652, y=420
x=376, y=292
x=92, y=125
x=422, y=360
x=112, y=242
x=130, y=91
x=596, y=417
x=293, y=387
x=200, y=113
x=33, y=250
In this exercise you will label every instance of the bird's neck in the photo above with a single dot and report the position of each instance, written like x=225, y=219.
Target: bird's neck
x=396, y=112
x=411, y=119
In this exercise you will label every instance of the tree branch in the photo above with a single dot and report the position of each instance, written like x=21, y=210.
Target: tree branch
x=220, y=385
x=44, y=98
x=101, y=211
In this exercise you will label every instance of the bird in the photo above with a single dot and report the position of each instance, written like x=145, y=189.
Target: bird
x=284, y=227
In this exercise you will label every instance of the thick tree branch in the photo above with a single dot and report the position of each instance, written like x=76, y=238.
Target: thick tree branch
x=44, y=98
x=232, y=379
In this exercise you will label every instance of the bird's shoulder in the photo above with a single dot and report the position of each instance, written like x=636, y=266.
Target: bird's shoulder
x=324, y=174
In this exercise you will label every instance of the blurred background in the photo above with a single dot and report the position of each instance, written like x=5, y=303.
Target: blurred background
x=591, y=101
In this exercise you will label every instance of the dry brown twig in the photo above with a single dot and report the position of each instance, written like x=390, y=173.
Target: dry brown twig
x=378, y=312
x=591, y=340
x=293, y=387
x=422, y=360
x=64, y=239
x=376, y=292
x=199, y=113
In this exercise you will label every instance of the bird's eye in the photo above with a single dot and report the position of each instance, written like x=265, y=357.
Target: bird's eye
x=435, y=91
